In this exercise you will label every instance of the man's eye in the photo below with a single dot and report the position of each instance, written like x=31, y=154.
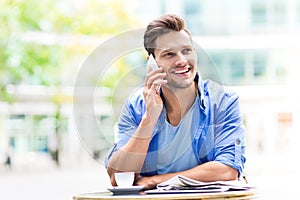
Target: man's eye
x=186, y=51
x=169, y=54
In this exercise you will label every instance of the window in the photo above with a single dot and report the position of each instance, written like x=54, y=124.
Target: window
x=192, y=7
x=237, y=64
x=280, y=12
x=40, y=143
x=192, y=11
x=258, y=12
x=230, y=66
x=221, y=72
x=260, y=62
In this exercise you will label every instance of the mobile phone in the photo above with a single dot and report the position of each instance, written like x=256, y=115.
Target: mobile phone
x=152, y=64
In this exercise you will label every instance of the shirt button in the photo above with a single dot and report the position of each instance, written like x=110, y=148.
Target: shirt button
x=238, y=141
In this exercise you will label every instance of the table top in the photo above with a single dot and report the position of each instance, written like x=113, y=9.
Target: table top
x=246, y=194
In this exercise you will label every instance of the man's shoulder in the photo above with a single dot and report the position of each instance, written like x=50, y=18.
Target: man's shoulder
x=217, y=94
x=213, y=87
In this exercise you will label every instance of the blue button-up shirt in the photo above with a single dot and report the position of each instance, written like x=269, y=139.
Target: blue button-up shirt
x=217, y=129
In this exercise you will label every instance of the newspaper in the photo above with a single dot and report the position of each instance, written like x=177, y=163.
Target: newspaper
x=182, y=184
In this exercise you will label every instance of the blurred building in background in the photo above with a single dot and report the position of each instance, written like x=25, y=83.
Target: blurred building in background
x=252, y=45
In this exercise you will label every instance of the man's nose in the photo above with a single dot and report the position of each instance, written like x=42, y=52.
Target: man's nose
x=181, y=60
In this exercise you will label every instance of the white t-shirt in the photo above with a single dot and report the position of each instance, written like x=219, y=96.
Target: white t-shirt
x=175, y=152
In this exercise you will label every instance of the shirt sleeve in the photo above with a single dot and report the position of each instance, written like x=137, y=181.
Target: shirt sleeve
x=230, y=133
x=129, y=120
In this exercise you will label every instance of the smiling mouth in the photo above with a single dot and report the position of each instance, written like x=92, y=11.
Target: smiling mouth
x=183, y=71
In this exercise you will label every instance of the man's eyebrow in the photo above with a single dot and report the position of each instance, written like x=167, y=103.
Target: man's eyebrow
x=166, y=50
x=172, y=49
x=187, y=46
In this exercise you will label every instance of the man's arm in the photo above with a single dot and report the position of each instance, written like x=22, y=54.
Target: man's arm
x=210, y=171
x=132, y=155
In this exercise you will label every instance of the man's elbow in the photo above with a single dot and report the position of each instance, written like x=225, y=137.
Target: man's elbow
x=231, y=174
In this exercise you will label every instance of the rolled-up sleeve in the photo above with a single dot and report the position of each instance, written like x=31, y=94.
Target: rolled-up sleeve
x=230, y=133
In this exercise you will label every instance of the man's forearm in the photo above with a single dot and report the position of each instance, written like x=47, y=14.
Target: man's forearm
x=131, y=157
x=210, y=171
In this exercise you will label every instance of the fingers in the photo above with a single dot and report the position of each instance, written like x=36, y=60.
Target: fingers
x=152, y=98
x=147, y=182
x=154, y=79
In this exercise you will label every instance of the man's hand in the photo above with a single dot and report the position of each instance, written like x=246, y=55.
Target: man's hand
x=151, y=94
x=149, y=182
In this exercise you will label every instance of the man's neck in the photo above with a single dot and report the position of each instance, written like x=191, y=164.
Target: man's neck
x=178, y=102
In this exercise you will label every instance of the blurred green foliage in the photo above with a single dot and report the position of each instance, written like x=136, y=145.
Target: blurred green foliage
x=26, y=60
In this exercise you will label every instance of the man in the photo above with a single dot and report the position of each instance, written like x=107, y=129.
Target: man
x=178, y=123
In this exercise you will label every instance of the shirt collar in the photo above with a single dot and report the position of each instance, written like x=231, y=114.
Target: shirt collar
x=200, y=84
x=198, y=79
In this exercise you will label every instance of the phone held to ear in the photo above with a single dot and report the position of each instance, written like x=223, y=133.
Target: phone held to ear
x=152, y=64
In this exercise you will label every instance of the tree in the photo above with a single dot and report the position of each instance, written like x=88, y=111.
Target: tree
x=35, y=47
x=25, y=60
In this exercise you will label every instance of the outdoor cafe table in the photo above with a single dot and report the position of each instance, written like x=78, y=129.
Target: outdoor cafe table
x=246, y=194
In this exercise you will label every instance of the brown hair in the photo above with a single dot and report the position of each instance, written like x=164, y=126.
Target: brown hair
x=162, y=25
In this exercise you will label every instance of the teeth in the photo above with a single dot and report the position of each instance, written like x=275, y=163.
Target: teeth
x=181, y=71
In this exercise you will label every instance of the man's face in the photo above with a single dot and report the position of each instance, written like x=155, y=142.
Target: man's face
x=175, y=53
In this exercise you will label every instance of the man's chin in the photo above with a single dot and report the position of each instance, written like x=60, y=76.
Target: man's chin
x=179, y=85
